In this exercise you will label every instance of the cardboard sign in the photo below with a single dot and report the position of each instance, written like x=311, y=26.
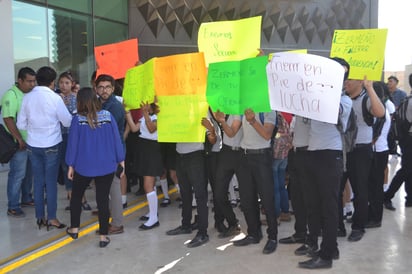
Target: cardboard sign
x=234, y=86
x=230, y=40
x=363, y=49
x=115, y=59
x=306, y=85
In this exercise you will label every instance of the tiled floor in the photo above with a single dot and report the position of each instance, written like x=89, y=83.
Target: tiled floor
x=382, y=250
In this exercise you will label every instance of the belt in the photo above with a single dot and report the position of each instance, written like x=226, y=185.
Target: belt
x=232, y=148
x=296, y=149
x=363, y=145
x=256, y=151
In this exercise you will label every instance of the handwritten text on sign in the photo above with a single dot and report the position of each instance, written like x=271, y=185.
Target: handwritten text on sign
x=306, y=85
x=180, y=74
x=139, y=85
x=230, y=40
x=363, y=49
x=233, y=86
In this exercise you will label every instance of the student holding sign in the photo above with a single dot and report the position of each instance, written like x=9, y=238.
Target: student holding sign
x=256, y=178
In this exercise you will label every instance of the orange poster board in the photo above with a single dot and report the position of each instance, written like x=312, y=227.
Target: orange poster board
x=115, y=59
x=181, y=74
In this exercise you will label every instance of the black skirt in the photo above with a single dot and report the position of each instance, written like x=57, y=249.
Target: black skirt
x=149, y=158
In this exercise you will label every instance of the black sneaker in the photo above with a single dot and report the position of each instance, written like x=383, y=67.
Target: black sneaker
x=388, y=205
x=17, y=213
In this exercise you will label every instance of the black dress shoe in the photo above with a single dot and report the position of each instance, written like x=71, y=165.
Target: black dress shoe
x=373, y=224
x=270, y=246
x=306, y=249
x=355, y=235
x=179, y=230
x=293, y=239
x=146, y=227
x=246, y=241
x=198, y=240
x=72, y=234
x=231, y=231
x=104, y=243
x=144, y=218
x=388, y=205
x=316, y=263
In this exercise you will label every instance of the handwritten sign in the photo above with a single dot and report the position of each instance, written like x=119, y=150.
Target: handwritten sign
x=304, y=51
x=230, y=40
x=363, y=49
x=180, y=74
x=234, y=86
x=179, y=119
x=115, y=59
x=306, y=85
x=139, y=85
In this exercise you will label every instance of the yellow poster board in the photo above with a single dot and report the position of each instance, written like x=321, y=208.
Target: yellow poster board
x=139, y=85
x=230, y=40
x=179, y=119
x=180, y=74
x=363, y=49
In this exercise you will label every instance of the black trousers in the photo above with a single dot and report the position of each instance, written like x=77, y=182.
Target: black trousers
x=256, y=179
x=359, y=162
x=404, y=174
x=211, y=170
x=190, y=169
x=375, y=186
x=80, y=184
x=325, y=169
x=297, y=161
x=228, y=165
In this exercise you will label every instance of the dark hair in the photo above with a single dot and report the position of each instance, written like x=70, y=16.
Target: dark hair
x=68, y=75
x=410, y=80
x=381, y=90
x=93, y=78
x=105, y=77
x=23, y=72
x=343, y=63
x=88, y=105
x=393, y=78
x=45, y=76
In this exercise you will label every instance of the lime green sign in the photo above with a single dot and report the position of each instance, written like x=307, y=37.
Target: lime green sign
x=179, y=119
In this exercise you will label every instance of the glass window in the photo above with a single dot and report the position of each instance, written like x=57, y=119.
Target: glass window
x=76, y=5
x=30, y=39
x=115, y=10
x=107, y=32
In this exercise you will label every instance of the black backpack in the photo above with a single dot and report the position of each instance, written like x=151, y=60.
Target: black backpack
x=349, y=135
x=400, y=124
x=374, y=122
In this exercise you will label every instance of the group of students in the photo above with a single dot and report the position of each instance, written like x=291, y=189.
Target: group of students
x=94, y=129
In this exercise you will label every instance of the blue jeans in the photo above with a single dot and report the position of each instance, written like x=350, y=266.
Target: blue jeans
x=19, y=180
x=45, y=165
x=281, y=194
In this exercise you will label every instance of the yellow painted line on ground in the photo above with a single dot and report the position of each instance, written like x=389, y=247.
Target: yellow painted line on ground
x=43, y=248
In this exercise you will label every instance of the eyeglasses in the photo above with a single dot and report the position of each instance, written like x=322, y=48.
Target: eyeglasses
x=104, y=88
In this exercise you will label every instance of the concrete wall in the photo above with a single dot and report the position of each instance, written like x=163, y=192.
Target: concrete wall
x=167, y=27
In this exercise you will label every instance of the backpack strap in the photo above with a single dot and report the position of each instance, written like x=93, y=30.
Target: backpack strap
x=367, y=116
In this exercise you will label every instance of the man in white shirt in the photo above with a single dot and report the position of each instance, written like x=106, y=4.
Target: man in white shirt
x=41, y=113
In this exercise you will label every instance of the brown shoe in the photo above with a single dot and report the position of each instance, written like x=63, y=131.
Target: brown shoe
x=285, y=217
x=115, y=229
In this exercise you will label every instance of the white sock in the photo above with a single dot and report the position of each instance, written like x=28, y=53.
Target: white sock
x=165, y=189
x=124, y=199
x=152, y=201
x=194, y=200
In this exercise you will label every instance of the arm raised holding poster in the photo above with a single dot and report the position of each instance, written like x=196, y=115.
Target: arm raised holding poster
x=306, y=85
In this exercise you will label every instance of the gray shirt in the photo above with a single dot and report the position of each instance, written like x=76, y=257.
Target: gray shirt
x=235, y=140
x=364, y=131
x=251, y=138
x=183, y=148
x=301, y=131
